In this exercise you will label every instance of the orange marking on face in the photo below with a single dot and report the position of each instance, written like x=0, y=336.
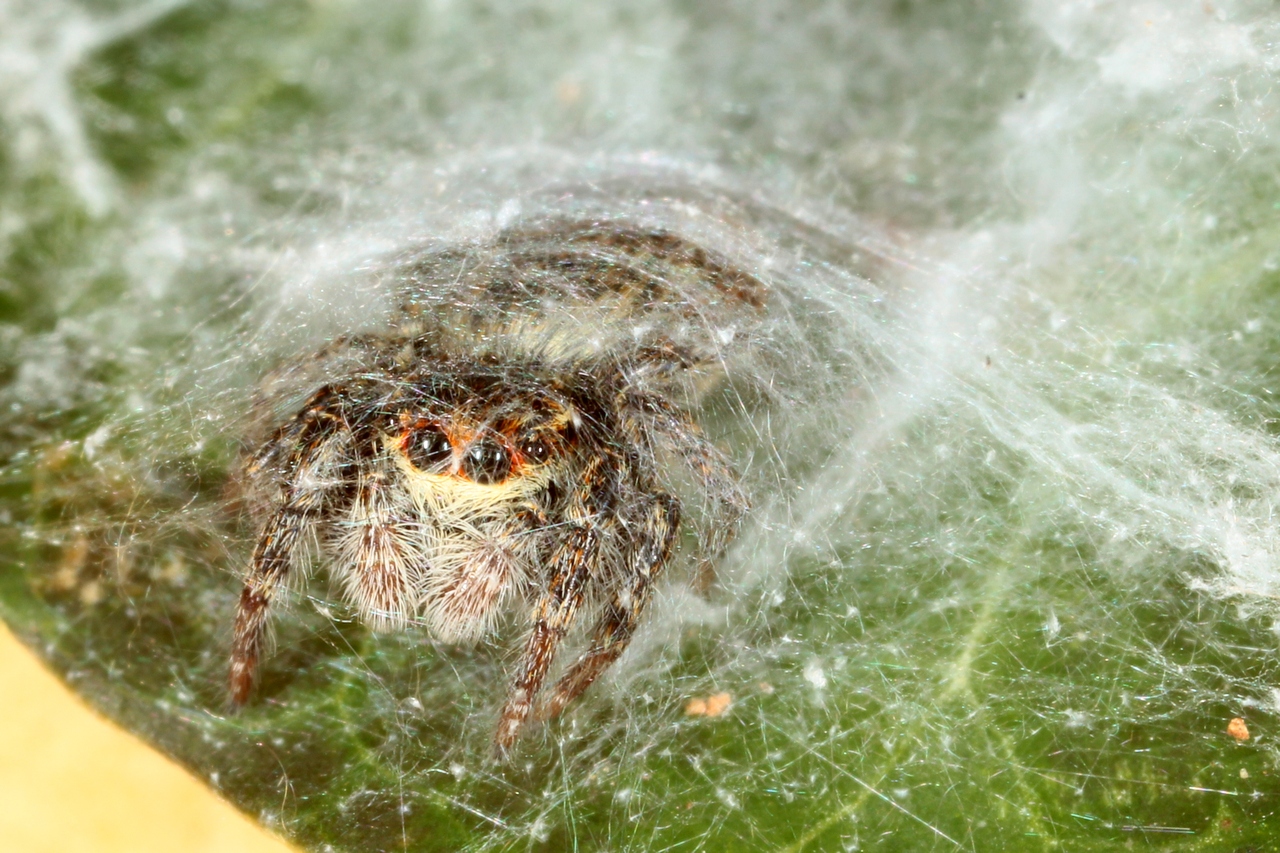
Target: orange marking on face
x=481, y=453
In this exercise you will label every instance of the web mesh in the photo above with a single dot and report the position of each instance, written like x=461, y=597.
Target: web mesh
x=1009, y=428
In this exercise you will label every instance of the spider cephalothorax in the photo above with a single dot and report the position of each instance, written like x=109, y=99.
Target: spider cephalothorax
x=505, y=441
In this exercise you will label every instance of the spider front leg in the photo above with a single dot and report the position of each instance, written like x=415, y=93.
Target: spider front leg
x=312, y=474
x=613, y=632
x=570, y=570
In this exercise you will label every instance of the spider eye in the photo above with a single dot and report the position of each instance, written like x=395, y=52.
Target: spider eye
x=535, y=450
x=428, y=447
x=486, y=461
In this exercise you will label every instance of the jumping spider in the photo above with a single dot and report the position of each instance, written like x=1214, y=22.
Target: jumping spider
x=505, y=440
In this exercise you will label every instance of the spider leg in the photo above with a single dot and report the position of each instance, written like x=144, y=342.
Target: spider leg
x=719, y=480
x=617, y=624
x=570, y=569
x=305, y=451
x=648, y=415
x=294, y=439
x=313, y=477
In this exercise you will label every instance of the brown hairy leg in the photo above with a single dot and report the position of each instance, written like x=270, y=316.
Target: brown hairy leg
x=271, y=560
x=652, y=416
x=617, y=624
x=554, y=613
x=312, y=480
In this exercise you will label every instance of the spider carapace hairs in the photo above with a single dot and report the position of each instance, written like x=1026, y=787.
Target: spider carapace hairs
x=508, y=441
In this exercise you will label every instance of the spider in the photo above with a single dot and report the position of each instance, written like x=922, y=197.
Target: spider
x=505, y=442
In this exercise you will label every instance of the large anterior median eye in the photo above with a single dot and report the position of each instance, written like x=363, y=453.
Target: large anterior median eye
x=486, y=461
x=428, y=448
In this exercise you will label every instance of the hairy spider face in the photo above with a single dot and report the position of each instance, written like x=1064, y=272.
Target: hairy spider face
x=479, y=480
x=454, y=474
